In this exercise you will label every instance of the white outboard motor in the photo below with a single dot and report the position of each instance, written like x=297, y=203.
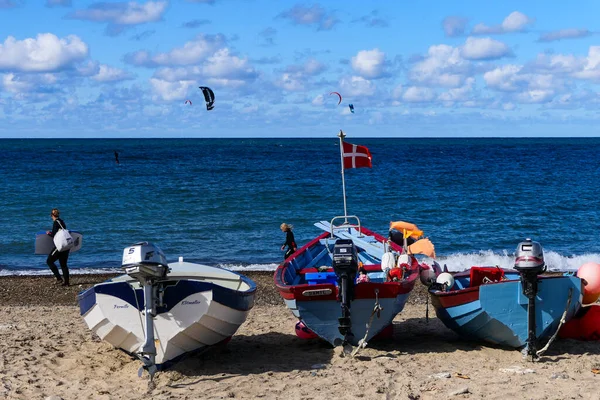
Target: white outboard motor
x=144, y=261
x=345, y=266
x=147, y=263
x=529, y=262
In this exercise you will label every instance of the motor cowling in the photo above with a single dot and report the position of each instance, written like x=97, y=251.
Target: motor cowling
x=145, y=260
x=345, y=258
x=529, y=257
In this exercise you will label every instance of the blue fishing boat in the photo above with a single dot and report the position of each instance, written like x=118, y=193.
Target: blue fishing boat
x=318, y=282
x=513, y=308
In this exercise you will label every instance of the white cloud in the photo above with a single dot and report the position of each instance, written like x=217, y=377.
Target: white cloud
x=310, y=67
x=315, y=15
x=591, y=67
x=564, y=34
x=558, y=63
x=443, y=66
x=221, y=68
x=528, y=87
x=460, y=94
x=515, y=22
x=484, y=49
x=416, y=94
x=224, y=65
x=535, y=96
x=192, y=52
x=318, y=101
x=503, y=78
x=356, y=86
x=122, y=13
x=110, y=74
x=290, y=82
x=369, y=63
x=169, y=91
x=11, y=83
x=43, y=54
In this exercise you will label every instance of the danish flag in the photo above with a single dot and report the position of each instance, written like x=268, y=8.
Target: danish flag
x=356, y=156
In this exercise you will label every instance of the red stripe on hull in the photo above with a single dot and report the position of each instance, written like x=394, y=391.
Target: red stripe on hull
x=455, y=298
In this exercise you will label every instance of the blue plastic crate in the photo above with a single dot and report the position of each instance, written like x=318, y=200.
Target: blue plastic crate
x=314, y=278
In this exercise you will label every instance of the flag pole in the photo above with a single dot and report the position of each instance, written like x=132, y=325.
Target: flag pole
x=342, y=136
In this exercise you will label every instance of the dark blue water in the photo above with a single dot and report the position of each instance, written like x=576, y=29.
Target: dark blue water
x=221, y=201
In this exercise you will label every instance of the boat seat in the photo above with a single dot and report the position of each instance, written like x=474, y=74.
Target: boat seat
x=481, y=275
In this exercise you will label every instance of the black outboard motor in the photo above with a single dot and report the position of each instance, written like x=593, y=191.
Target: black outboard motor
x=529, y=262
x=345, y=266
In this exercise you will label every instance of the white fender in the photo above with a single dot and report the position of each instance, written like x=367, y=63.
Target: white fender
x=388, y=261
x=403, y=259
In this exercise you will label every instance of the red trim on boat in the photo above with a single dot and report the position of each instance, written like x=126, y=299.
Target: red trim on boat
x=361, y=291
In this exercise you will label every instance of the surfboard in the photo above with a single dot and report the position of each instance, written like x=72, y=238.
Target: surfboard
x=44, y=244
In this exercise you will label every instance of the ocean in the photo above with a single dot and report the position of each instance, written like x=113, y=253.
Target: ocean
x=221, y=201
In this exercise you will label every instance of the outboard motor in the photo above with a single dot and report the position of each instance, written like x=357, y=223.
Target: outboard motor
x=529, y=262
x=147, y=263
x=345, y=266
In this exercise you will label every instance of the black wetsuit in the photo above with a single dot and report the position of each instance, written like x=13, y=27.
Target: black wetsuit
x=62, y=257
x=290, y=242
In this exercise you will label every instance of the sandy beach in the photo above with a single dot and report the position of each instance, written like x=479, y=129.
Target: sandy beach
x=46, y=351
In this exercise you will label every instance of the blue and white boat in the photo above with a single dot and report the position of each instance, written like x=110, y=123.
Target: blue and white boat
x=512, y=308
x=182, y=308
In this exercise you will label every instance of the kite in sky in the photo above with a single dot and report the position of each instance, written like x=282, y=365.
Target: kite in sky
x=209, y=96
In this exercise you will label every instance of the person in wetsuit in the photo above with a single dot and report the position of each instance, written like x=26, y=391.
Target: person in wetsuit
x=54, y=255
x=290, y=242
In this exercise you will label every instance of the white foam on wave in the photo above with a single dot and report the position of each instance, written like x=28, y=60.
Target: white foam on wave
x=555, y=261
x=72, y=271
x=251, y=267
x=455, y=262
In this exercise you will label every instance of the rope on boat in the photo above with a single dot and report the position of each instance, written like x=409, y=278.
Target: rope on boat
x=563, y=319
x=362, y=343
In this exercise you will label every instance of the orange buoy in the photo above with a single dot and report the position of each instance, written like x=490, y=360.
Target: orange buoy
x=590, y=272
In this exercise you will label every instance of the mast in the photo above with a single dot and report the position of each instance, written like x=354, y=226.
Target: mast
x=342, y=136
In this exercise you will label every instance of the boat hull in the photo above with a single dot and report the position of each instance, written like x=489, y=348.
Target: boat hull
x=498, y=312
x=317, y=315
x=197, y=314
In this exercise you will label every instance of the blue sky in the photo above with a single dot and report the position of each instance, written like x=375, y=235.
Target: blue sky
x=71, y=68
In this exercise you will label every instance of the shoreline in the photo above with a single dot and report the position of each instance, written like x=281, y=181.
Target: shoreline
x=34, y=290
